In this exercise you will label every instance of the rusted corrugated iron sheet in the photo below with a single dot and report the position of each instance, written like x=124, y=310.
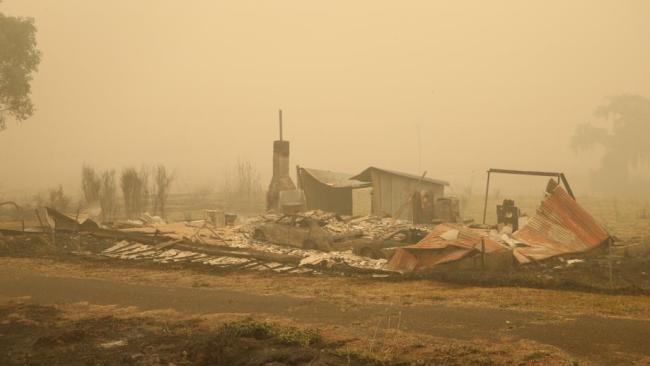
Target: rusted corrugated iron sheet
x=560, y=226
x=445, y=243
x=467, y=238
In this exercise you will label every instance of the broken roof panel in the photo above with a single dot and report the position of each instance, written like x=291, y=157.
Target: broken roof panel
x=445, y=243
x=335, y=179
x=560, y=226
x=366, y=176
x=445, y=235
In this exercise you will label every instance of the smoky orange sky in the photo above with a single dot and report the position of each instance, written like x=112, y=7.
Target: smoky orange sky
x=197, y=84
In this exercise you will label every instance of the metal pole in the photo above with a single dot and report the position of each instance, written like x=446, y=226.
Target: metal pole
x=487, y=189
x=419, y=149
x=280, y=124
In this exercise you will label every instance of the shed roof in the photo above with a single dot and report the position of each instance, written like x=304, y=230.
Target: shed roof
x=335, y=179
x=365, y=176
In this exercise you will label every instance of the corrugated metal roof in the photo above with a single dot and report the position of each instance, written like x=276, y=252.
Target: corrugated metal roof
x=445, y=243
x=560, y=226
x=334, y=179
x=466, y=238
x=366, y=176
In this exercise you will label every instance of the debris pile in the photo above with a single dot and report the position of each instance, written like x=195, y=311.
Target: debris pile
x=199, y=242
x=449, y=243
x=323, y=241
x=164, y=254
x=559, y=227
x=369, y=227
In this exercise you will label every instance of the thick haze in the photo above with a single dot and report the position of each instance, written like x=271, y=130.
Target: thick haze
x=197, y=85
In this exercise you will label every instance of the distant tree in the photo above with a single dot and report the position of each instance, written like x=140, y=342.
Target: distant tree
x=90, y=184
x=624, y=136
x=58, y=200
x=19, y=58
x=161, y=184
x=248, y=180
x=108, y=195
x=241, y=182
x=135, y=190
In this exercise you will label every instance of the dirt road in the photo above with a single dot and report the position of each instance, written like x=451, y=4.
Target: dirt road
x=587, y=338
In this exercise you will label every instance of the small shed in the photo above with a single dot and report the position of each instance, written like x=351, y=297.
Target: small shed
x=392, y=189
x=334, y=192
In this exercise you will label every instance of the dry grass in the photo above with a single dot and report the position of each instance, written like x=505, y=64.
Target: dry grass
x=384, y=345
x=350, y=292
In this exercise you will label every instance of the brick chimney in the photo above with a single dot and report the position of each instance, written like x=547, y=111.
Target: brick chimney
x=281, y=181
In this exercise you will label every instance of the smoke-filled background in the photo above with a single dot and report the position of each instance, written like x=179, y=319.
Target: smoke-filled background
x=453, y=88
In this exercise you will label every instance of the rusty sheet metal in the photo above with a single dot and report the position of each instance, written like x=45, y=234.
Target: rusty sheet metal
x=560, y=226
x=445, y=243
x=467, y=238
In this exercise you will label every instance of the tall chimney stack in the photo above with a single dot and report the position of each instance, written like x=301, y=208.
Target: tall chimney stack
x=280, y=124
x=281, y=181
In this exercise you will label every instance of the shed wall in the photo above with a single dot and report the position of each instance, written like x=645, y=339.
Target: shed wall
x=391, y=192
x=322, y=197
x=361, y=201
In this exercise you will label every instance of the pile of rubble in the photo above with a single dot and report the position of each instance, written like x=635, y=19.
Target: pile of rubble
x=163, y=254
x=370, y=227
x=236, y=247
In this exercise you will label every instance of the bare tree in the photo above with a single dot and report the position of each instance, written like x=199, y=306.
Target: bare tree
x=241, y=184
x=58, y=200
x=135, y=190
x=227, y=185
x=162, y=182
x=248, y=180
x=108, y=195
x=90, y=184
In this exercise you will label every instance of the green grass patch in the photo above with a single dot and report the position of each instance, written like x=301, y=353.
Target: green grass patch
x=537, y=355
x=249, y=328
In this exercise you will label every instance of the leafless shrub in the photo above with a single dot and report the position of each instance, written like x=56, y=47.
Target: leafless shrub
x=135, y=191
x=58, y=200
x=108, y=195
x=162, y=182
x=248, y=180
x=227, y=185
x=242, y=186
x=90, y=184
